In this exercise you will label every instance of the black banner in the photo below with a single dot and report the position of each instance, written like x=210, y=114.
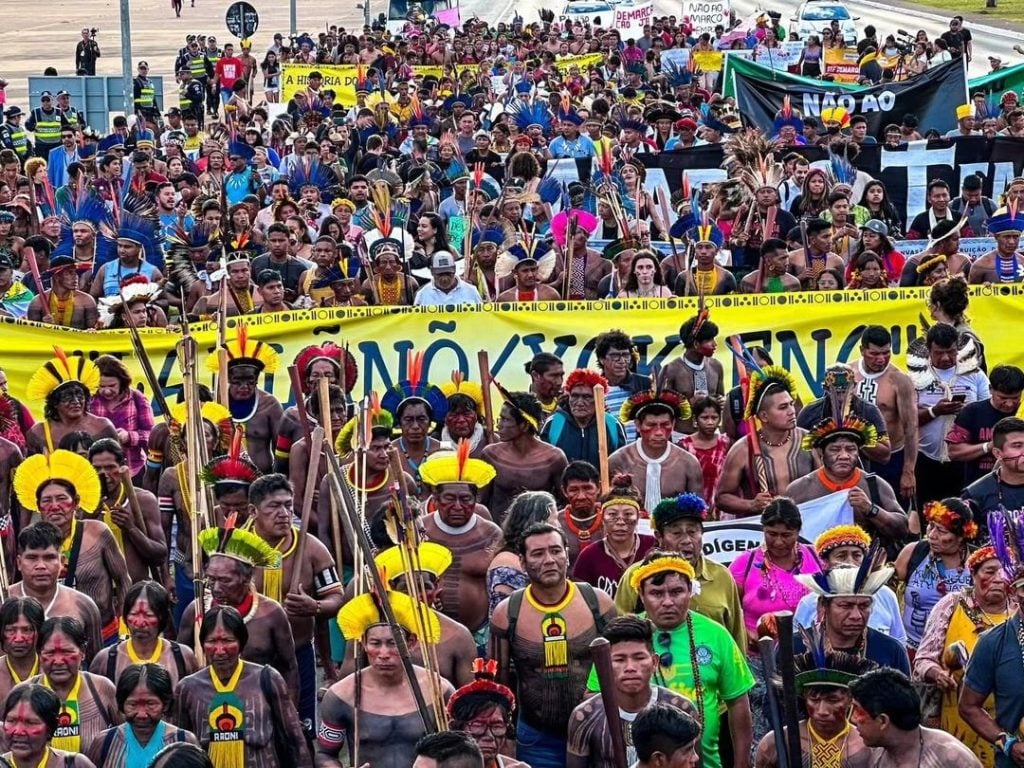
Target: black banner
x=932, y=97
x=905, y=172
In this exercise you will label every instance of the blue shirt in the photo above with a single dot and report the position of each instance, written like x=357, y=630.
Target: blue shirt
x=581, y=146
x=881, y=649
x=995, y=668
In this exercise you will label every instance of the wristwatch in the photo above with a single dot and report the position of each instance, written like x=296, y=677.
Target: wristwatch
x=873, y=512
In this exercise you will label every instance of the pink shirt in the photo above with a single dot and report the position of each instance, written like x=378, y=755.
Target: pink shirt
x=768, y=590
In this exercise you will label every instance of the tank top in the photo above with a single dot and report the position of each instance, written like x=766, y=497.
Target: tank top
x=928, y=582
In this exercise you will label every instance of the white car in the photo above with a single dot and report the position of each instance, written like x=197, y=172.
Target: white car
x=815, y=16
x=585, y=11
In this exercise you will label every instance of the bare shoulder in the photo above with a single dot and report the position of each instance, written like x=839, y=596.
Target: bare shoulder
x=948, y=750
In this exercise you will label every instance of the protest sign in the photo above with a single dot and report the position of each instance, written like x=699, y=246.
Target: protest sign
x=705, y=15
x=630, y=20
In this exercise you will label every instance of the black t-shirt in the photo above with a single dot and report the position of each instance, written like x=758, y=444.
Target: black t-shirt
x=988, y=494
x=955, y=41
x=290, y=271
x=974, y=425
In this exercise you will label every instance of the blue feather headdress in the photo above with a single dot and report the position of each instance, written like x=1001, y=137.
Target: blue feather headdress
x=414, y=388
x=84, y=206
x=529, y=114
x=135, y=220
x=312, y=173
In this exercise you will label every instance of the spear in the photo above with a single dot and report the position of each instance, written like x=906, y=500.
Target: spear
x=349, y=516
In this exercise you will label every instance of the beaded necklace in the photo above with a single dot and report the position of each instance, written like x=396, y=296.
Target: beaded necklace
x=770, y=587
x=584, y=534
x=827, y=753
x=389, y=294
x=554, y=632
x=1011, y=273
x=62, y=310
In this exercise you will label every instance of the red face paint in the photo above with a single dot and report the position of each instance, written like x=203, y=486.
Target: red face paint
x=141, y=617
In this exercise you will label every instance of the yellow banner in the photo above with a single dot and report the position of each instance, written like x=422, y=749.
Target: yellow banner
x=842, y=64
x=805, y=332
x=341, y=78
x=708, y=61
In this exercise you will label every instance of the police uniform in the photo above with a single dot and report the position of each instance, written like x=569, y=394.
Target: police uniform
x=46, y=126
x=14, y=136
x=145, y=98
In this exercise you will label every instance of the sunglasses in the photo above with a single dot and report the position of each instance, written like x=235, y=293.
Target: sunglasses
x=665, y=658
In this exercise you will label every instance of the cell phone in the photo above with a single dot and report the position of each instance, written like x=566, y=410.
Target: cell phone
x=959, y=398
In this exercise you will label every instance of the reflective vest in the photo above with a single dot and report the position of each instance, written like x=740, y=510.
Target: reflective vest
x=184, y=103
x=16, y=135
x=214, y=57
x=47, y=126
x=197, y=64
x=147, y=94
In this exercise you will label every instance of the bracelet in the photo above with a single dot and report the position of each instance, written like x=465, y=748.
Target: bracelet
x=317, y=608
x=986, y=448
x=1008, y=745
x=931, y=411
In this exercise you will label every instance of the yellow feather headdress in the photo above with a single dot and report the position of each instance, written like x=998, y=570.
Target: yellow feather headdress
x=457, y=469
x=246, y=351
x=361, y=613
x=63, y=369
x=68, y=466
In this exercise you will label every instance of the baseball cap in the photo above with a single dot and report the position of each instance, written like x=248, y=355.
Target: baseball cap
x=442, y=262
x=876, y=226
x=143, y=64
x=5, y=261
x=45, y=95
x=62, y=93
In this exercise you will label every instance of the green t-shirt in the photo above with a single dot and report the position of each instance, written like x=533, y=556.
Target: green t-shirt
x=722, y=667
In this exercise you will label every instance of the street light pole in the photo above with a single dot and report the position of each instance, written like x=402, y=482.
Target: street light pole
x=126, y=59
x=293, y=17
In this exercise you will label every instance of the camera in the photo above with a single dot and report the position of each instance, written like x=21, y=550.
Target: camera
x=92, y=32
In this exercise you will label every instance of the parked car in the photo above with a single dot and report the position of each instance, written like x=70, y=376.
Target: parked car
x=815, y=16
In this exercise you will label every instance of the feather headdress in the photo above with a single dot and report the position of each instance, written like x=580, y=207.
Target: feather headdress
x=246, y=351
x=342, y=360
x=848, y=581
x=243, y=546
x=459, y=468
x=61, y=370
x=234, y=468
x=471, y=698
x=459, y=386
x=750, y=157
x=415, y=388
x=38, y=470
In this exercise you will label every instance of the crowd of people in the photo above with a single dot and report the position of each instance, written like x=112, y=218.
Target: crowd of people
x=418, y=577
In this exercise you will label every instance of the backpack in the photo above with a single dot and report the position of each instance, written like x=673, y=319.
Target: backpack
x=515, y=604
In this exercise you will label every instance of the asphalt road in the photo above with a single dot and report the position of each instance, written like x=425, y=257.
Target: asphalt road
x=41, y=36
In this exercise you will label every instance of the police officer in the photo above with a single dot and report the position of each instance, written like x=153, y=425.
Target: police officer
x=70, y=117
x=191, y=96
x=200, y=68
x=45, y=122
x=145, y=94
x=213, y=55
x=13, y=136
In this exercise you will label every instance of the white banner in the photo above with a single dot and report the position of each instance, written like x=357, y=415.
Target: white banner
x=705, y=15
x=725, y=540
x=630, y=20
x=781, y=58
